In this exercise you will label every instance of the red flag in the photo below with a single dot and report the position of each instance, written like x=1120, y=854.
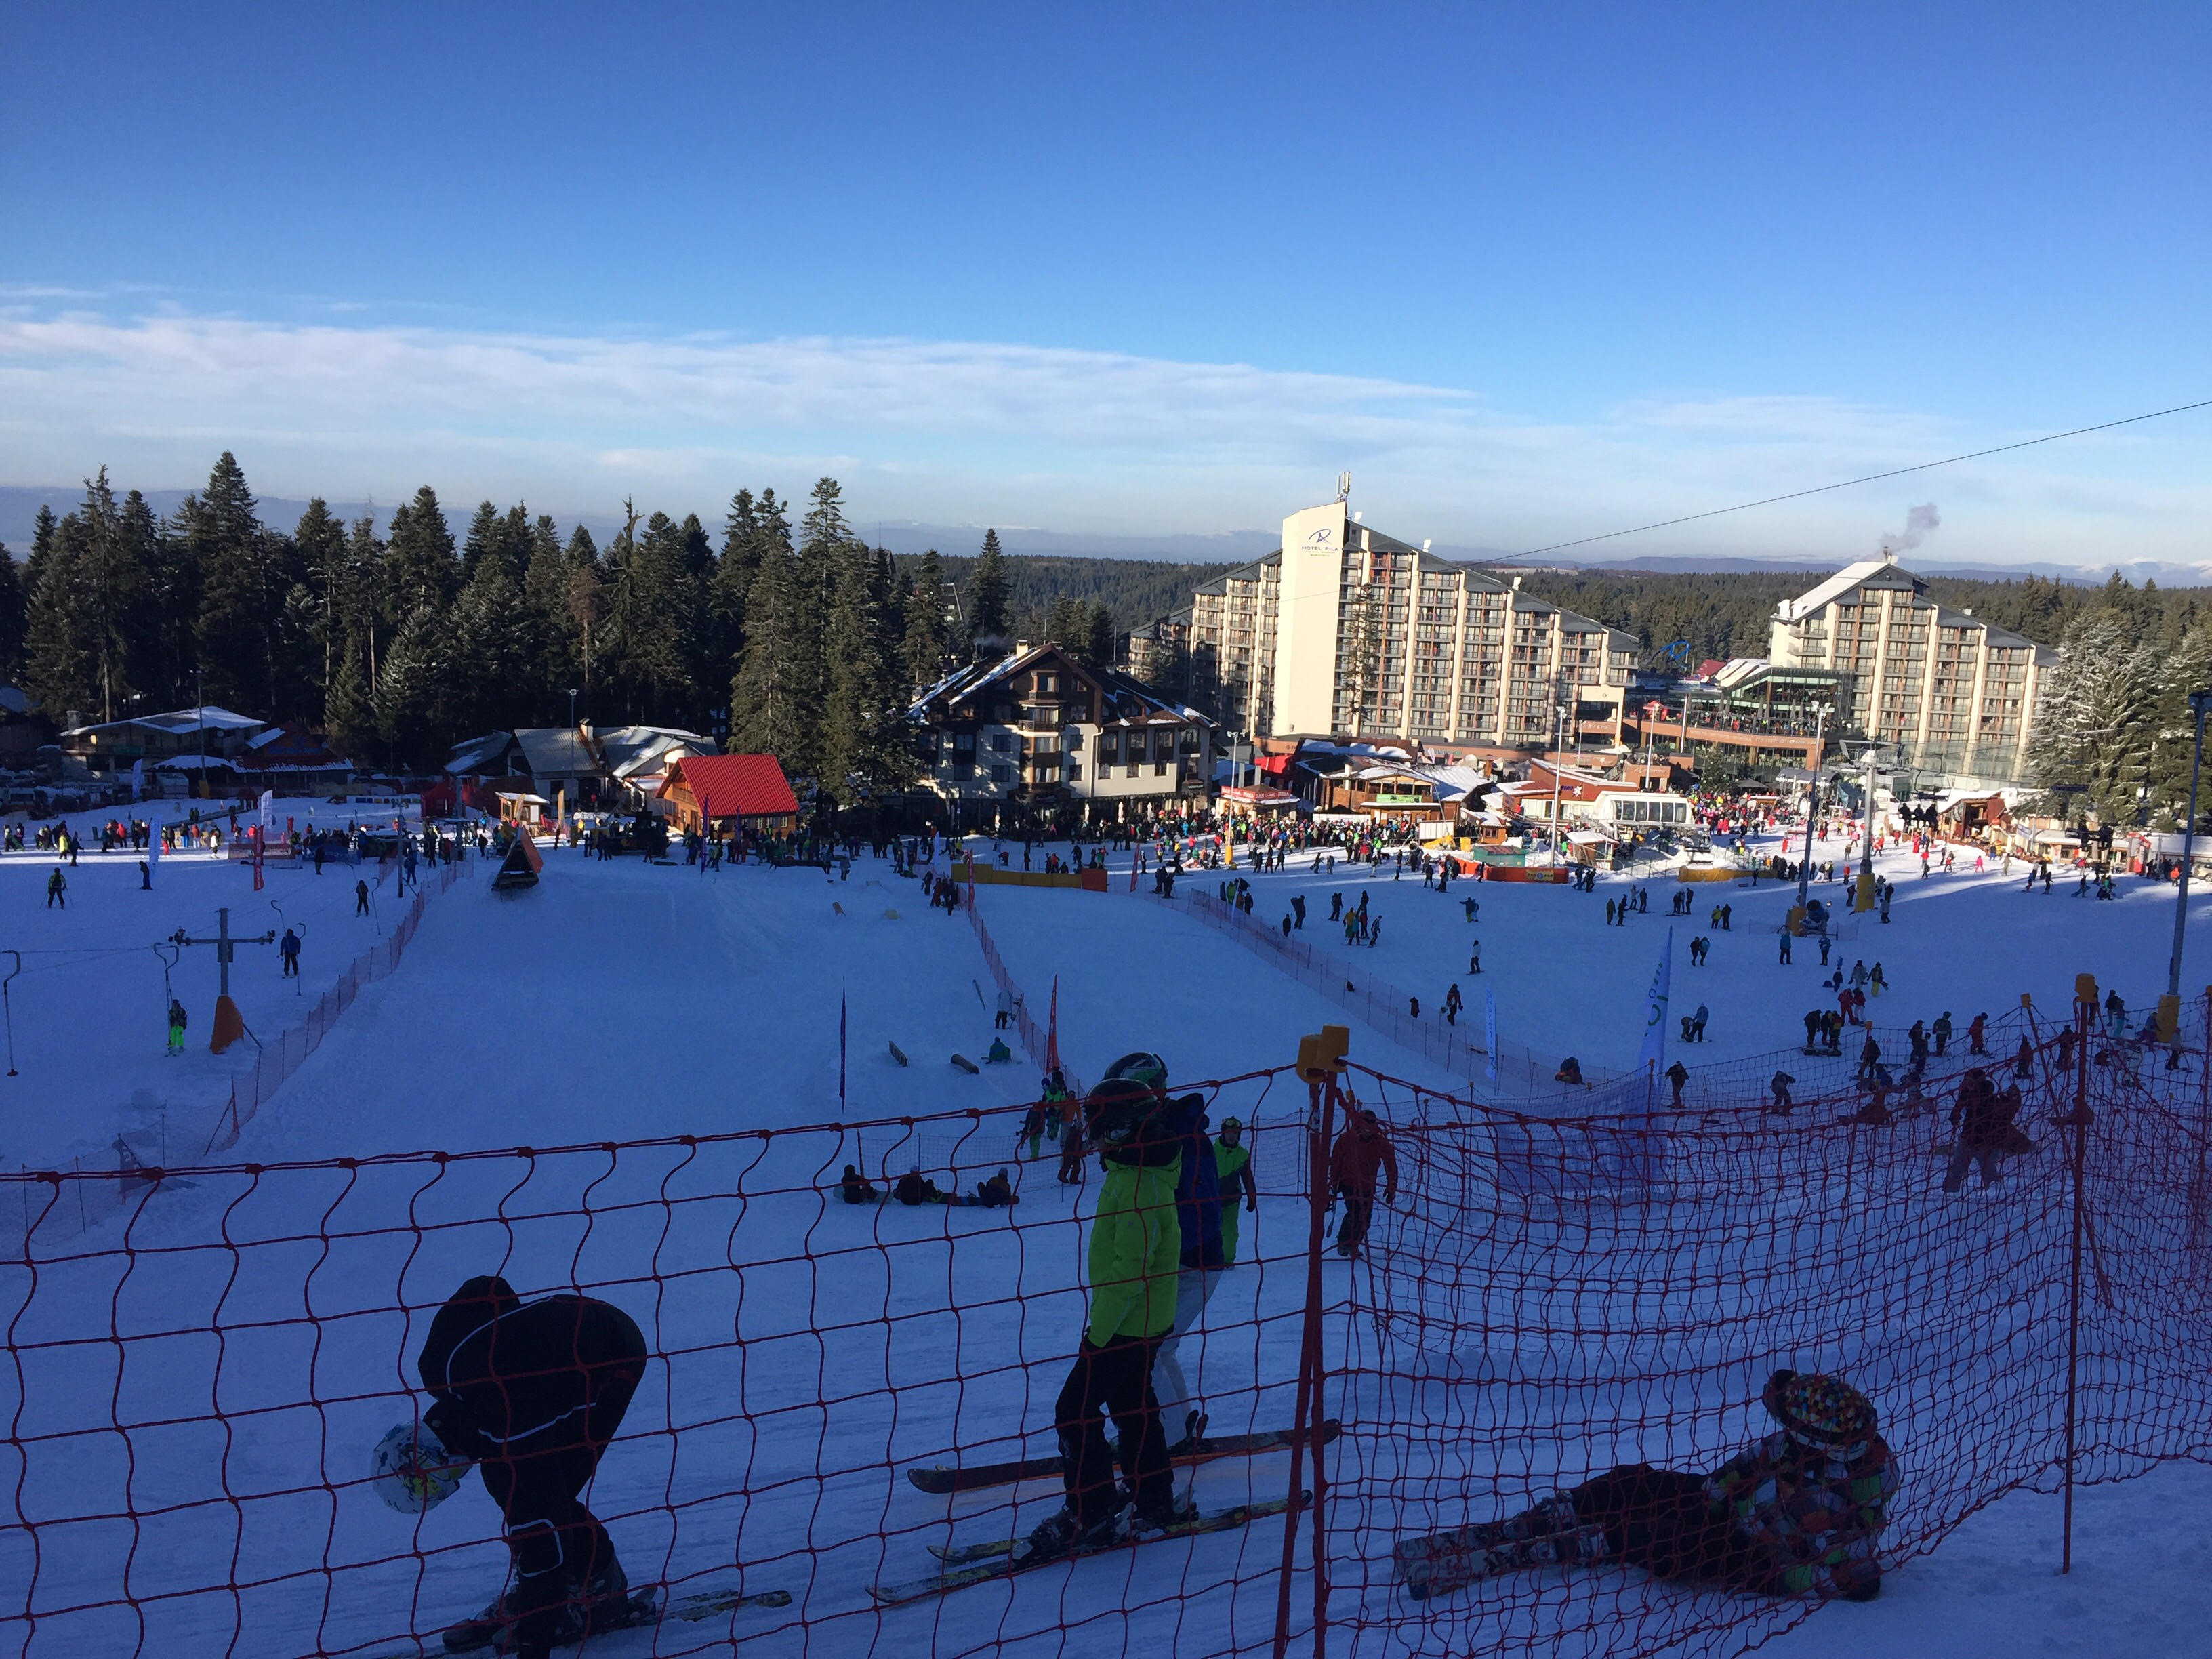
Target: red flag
x=1052, y=1029
x=257, y=858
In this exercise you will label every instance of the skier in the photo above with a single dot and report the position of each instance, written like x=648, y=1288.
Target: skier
x=288, y=950
x=1978, y=1033
x=1362, y=1150
x=1677, y=1075
x=1982, y=1122
x=1135, y=1246
x=1298, y=910
x=57, y=890
x=1232, y=1165
x=1785, y=963
x=1795, y=1514
x=1824, y=950
x=1198, y=1219
x=532, y=1393
x=1942, y=1032
x=1453, y=1003
x=176, y=1026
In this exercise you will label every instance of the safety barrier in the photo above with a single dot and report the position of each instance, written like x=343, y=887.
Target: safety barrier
x=196, y=1386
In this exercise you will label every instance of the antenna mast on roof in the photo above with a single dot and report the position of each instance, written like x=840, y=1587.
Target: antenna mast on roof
x=1344, y=486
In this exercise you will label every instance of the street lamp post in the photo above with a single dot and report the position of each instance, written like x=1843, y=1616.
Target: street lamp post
x=1812, y=806
x=1866, y=852
x=572, y=708
x=1558, y=725
x=2199, y=703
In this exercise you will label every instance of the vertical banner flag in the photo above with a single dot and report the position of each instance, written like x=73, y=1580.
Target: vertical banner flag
x=1490, y=1034
x=268, y=809
x=153, y=851
x=841, y=1047
x=1655, y=1008
x=256, y=832
x=137, y=779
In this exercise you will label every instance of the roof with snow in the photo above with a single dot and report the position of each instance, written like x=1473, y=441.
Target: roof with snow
x=177, y=721
x=732, y=785
x=1867, y=573
x=1124, y=699
x=631, y=752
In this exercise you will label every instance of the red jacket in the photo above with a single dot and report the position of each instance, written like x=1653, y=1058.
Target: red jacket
x=1361, y=1150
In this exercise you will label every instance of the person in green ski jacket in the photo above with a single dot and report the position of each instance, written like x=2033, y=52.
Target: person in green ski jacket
x=1135, y=1254
x=1232, y=1159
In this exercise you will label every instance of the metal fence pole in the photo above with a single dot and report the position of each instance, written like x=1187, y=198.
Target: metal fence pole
x=2084, y=1017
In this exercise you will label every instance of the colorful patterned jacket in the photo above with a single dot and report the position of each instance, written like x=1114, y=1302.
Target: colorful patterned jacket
x=1818, y=1510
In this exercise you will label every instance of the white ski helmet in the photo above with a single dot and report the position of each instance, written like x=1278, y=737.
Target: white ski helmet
x=412, y=1471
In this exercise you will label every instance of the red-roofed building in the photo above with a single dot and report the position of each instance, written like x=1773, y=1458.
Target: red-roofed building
x=746, y=791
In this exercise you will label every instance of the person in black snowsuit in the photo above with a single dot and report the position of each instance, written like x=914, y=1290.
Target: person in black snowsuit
x=289, y=951
x=532, y=1393
x=361, y=898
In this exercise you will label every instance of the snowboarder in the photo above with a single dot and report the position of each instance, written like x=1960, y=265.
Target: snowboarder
x=1779, y=1087
x=997, y=1193
x=1698, y=1024
x=532, y=1393
x=1677, y=1075
x=1134, y=1251
x=998, y=1053
x=1232, y=1165
x=1474, y=958
x=1797, y=1514
x=288, y=950
x=1362, y=1150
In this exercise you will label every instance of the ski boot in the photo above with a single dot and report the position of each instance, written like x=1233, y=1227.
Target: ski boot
x=1065, y=1534
x=601, y=1602
x=1162, y=1514
x=471, y=1634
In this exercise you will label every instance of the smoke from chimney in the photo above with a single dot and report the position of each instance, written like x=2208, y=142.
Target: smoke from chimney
x=1918, y=521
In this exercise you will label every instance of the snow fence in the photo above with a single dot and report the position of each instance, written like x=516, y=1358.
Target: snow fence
x=195, y=1387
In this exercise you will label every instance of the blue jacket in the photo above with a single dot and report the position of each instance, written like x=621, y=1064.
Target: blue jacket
x=1198, y=1188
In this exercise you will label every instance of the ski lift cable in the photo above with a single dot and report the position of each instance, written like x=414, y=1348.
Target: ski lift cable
x=1871, y=478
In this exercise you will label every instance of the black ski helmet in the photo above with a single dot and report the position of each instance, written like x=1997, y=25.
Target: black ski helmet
x=1119, y=1115
x=1146, y=1070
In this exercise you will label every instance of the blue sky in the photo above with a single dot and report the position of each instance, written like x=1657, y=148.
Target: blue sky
x=1529, y=272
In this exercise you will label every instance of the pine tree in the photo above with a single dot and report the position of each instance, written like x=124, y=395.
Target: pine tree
x=321, y=541
x=58, y=667
x=246, y=575
x=548, y=632
x=2092, y=746
x=486, y=648
x=773, y=707
x=419, y=566
x=649, y=619
x=1066, y=625
x=2184, y=666
x=928, y=645
x=14, y=609
x=349, y=709
x=410, y=719
x=988, y=592
x=482, y=541
x=110, y=591
x=1100, y=647
x=587, y=605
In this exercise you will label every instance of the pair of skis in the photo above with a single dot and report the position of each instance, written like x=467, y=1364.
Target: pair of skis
x=986, y=1560
x=1007, y=1558
x=974, y=1477
x=645, y=1609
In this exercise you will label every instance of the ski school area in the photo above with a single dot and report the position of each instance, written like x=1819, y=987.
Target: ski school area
x=661, y=1087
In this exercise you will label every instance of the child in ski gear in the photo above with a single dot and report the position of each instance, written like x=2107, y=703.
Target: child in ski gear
x=1677, y=1075
x=857, y=1189
x=1135, y=1255
x=1362, y=1152
x=1232, y=1163
x=1983, y=1120
x=998, y=1053
x=176, y=1026
x=911, y=1189
x=532, y=1393
x=289, y=950
x=1571, y=1071
x=996, y=1193
x=1198, y=1217
x=1796, y=1514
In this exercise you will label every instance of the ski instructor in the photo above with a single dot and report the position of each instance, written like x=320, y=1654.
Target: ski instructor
x=532, y=1394
x=1136, y=1249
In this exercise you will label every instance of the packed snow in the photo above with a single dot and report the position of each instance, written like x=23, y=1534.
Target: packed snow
x=619, y=1001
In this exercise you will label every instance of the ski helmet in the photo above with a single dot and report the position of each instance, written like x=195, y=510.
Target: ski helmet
x=412, y=1471
x=1147, y=1070
x=1818, y=1411
x=1119, y=1114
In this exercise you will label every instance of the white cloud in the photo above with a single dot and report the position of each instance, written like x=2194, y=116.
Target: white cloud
x=967, y=431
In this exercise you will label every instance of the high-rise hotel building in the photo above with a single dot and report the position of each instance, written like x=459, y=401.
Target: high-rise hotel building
x=1955, y=693
x=1345, y=630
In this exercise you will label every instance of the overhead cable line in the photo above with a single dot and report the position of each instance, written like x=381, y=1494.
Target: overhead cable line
x=1871, y=478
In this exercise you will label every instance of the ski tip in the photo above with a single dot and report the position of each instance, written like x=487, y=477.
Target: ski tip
x=936, y=1480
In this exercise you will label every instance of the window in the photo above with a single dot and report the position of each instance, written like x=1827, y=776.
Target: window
x=1002, y=743
x=1075, y=771
x=1001, y=773
x=1109, y=748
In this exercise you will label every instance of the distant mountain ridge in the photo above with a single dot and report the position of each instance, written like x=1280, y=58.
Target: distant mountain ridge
x=19, y=504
